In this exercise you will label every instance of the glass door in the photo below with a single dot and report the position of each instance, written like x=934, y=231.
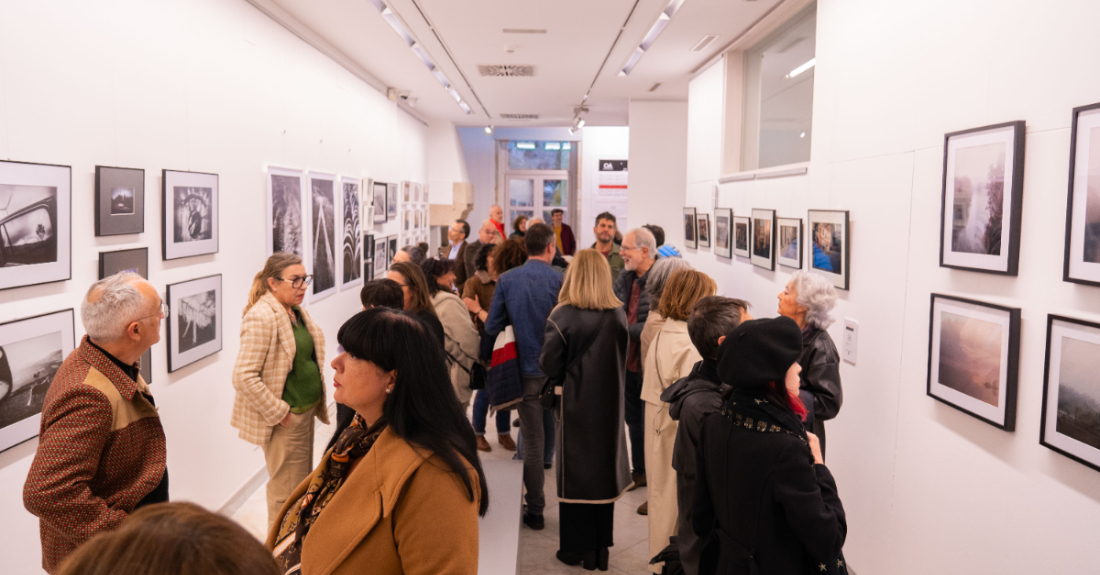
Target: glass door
x=537, y=195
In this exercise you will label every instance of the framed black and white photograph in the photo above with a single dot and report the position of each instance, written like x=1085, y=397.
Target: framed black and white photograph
x=381, y=257
x=830, y=245
x=406, y=192
x=973, y=358
x=702, y=230
x=379, y=193
x=133, y=261
x=322, y=236
x=391, y=201
x=763, y=238
x=368, y=257
x=742, y=231
x=119, y=201
x=194, y=320
x=723, y=232
x=691, y=238
x=31, y=351
x=189, y=214
x=983, y=188
x=1071, y=390
x=351, y=261
x=35, y=224
x=391, y=251
x=285, y=231
x=1082, y=255
x=789, y=253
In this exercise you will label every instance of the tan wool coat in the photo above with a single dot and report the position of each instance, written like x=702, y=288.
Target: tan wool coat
x=263, y=362
x=460, y=340
x=400, y=511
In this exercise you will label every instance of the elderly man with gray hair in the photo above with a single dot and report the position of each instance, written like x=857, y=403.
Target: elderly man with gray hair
x=639, y=252
x=101, y=449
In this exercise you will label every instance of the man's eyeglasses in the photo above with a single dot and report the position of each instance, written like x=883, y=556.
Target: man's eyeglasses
x=161, y=313
x=298, y=283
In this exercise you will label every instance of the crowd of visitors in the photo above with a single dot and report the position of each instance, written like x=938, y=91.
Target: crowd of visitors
x=624, y=366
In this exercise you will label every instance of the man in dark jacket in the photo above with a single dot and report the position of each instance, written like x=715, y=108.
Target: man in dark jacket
x=605, y=233
x=693, y=398
x=638, y=252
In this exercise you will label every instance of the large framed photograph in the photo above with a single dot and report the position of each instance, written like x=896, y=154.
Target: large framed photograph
x=974, y=357
x=322, y=237
x=790, y=242
x=983, y=187
x=763, y=238
x=351, y=261
x=119, y=201
x=703, y=230
x=194, y=320
x=391, y=201
x=1071, y=390
x=35, y=224
x=285, y=212
x=723, y=232
x=189, y=214
x=381, y=257
x=742, y=231
x=830, y=245
x=31, y=351
x=691, y=239
x=133, y=261
x=379, y=192
x=1082, y=257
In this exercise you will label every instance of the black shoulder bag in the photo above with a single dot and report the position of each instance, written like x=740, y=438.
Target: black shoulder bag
x=476, y=372
x=551, y=390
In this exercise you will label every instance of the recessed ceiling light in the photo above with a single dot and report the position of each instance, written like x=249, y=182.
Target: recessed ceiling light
x=704, y=42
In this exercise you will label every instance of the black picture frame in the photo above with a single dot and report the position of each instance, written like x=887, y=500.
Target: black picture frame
x=192, y=319
x=1062, y=440
x=1082, y=265
x=837, y=223
x=48, y=191
x=189, y=214
x=703, y=230
x=26, y=347
x=723, y=232
x=378, y=190
x=391, y=251
x=762, y=241
x=742, y=233
x=1012, y=135
x=691, y=233
x=119, y=201
x=789, y=249
x=973, y=358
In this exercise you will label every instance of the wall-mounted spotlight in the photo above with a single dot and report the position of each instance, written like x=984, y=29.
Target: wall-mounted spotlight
x=489, y=130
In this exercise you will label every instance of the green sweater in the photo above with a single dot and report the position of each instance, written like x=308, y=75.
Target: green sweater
x=303, y=383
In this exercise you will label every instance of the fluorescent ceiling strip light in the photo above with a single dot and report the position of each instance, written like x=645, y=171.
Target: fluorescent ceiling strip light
x=655, y=31
x=525, y=145
x=427, y=60
x=567, y=146
x=551, y=145
x=810, y=64
x=633, y=61
x=465, y=108
x=651, y=36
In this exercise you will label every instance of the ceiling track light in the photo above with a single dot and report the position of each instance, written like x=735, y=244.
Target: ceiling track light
x=489, y=129
x=651, y=36
x=809, y=64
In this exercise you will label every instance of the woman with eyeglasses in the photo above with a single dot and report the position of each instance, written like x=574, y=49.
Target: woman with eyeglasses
x=278, y=376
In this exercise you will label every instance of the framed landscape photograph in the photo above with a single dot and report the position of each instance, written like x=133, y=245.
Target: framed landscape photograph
x=723, y=232
x=350, y=266
x=790, y=242
x=703, y=229
x=1082, y=256
x=974, y=357
x=763, y=238
x=983, y=188
x=189, y=214
x=119, y=201
x=1071, y=390
x=391, y=201
x=194, y=320
x=379, y=192
x=31, y=351
x=134, y=261
x=322, y=239
x=285, y=212
x=691, y=239
x=742, y=230
x=830, y=245
x=35, y=224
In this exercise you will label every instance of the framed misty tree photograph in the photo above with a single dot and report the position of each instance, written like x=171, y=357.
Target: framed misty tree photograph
x=982, y=199
x=1071, y=390
x=1082, y=255
x=194, y=320
x=189, y=214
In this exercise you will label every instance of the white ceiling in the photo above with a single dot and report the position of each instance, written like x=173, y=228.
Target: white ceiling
x=566, y=58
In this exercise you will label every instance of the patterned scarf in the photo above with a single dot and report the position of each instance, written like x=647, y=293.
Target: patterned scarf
x=354, y=442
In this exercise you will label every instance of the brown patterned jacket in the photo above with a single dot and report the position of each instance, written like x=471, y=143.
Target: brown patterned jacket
x=101, y=450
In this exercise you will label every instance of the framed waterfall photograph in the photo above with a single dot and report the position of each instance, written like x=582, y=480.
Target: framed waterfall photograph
x=742, y=229
x=763, y=239
x=829, y=245
x=691, y=238
x=194, y=320
x=31, y=351
x=322, y=237
x=35, y=224
x=723, y=232
x=119, y=201
x=1071, y=390
x=982, y=199
x=1082, y=256
x=189, y=214
x=790, y=242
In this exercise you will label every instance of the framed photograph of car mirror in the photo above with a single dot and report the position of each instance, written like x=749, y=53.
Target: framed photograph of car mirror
x=829, y=245
x=1082, y=255
x=1071, y=390
x=790, y=242
x=974, y=358
x=691, y=238
x=702, y=229
x=194, y=320
x=983, y=187
x=723, y=232
x=189, y=214
x=763, y=239
x=135, y=261
x=742, y=231
x=119, y=201
x=31, y=351
x=35, y=223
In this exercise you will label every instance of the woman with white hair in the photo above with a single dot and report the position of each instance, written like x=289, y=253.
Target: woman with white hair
x=808, y=299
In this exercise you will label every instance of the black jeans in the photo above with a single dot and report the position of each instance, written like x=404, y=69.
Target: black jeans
x=635, y=420
x=586, y=527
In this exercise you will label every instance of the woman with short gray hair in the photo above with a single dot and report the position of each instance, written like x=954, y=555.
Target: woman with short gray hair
x=808, y=299
x=658, y=274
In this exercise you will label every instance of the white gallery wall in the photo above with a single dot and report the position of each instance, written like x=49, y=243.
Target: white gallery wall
x=927, y=489
x=658, y=165
x=598, y=143
x=200, y=85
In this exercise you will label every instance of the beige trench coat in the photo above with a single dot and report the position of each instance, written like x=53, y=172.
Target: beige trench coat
x=460, y=340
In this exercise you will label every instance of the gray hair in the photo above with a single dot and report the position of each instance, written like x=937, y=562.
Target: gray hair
x=817, y=295
x=416, y=255
x=659, y=274
x=118, y=304
x=643, y=238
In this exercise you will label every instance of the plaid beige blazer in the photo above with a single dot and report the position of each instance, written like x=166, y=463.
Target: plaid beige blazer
x=263, y=362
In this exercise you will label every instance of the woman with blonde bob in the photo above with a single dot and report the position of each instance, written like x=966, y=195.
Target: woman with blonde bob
x=584, y=348
x=671, y=357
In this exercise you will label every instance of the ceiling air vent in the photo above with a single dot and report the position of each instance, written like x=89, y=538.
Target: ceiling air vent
x=524, y=31
x=704, y=42
x=506, y=70
x=519, y=116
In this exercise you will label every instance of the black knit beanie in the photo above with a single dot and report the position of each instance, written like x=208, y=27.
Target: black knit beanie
x=759, y=351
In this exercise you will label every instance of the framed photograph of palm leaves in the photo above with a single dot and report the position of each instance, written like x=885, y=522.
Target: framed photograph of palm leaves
x=194, y=320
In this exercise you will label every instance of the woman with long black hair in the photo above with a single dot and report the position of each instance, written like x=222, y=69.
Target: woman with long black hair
x=402, y=489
